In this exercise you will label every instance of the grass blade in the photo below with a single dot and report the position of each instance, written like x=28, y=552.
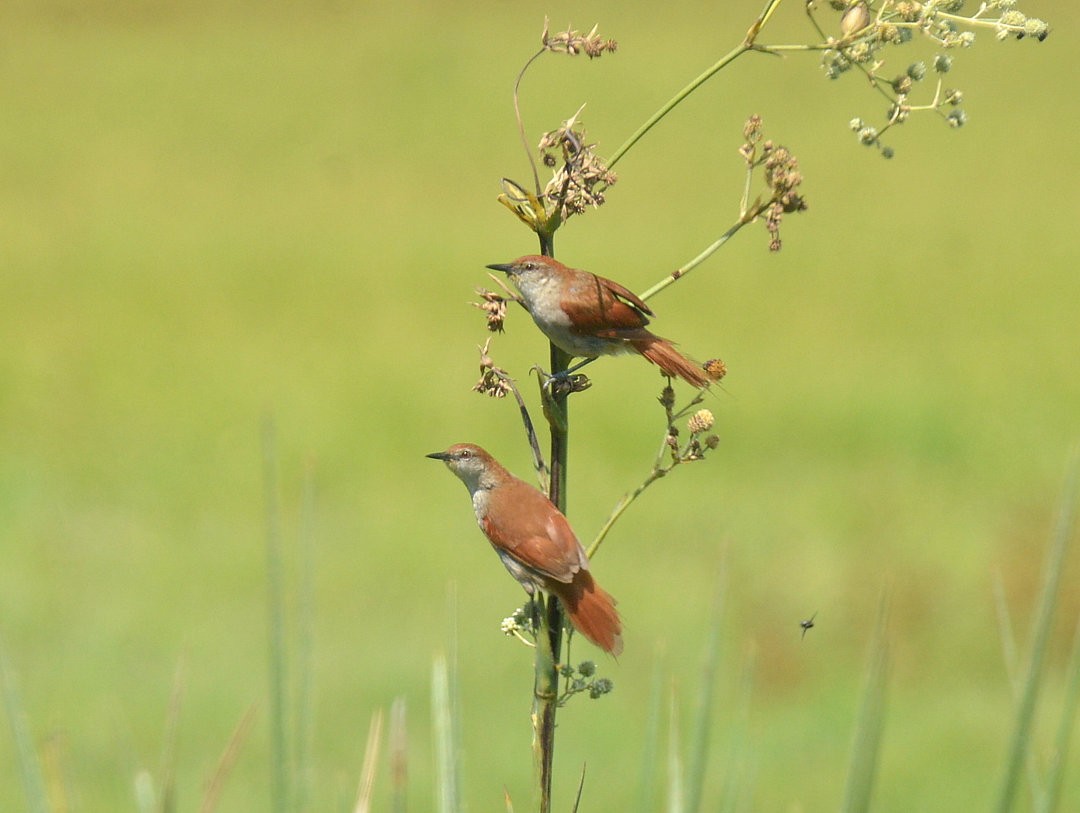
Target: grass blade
x=864, y=754
x=446, y=757
x=1019, y=742
x=580, y=788
x=303, y=712
x=145, y=795
x=676, y=794
x=699, y=746
x=371, y=762
x=1011, y=656
x=275, y=571
x=729, y=799
x=29, y=766
x=226, y=761
x=399, y=754
x=1056, y=773
x=58, y=786
x=167, y=770
x=647, y=779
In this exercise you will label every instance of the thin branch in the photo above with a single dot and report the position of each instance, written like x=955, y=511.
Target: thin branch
x=675, y=100
x=521, y=122
x=659, y=470
x=542, y=472
x=754, y=212
x=746, y=45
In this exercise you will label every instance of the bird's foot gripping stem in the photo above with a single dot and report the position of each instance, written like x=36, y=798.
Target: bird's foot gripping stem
x=564, y=382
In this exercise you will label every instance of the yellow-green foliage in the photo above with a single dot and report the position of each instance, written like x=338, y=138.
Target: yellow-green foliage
x=215, y=212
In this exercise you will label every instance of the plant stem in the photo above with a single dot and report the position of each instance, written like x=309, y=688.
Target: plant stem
x=549, y=637
x=658, y=470
x=747, y=217
x=521, y=123
x=624, y=502
x=746, y=45
x=674, y=101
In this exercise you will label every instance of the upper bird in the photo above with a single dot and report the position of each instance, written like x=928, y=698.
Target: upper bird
x=587, y=315
x=535, y=542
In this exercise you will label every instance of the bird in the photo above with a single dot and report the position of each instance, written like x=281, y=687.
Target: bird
x=535, y=542
x=587, y=316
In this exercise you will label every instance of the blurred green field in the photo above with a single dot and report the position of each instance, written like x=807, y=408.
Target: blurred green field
x=213, y=213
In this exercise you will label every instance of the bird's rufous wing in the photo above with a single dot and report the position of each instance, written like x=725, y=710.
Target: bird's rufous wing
x=599, y=304
x=541, y=538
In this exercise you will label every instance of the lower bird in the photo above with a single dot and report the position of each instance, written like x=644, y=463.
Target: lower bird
x=588, y=316
x=535, y=542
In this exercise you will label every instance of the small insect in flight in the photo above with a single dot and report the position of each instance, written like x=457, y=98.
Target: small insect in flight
x=807, y=624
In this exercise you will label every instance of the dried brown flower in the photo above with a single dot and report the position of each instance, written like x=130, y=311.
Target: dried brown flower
x=581, y=177
x=573, y=42
x=715, y=369
x=494, y=305
x=493, y=380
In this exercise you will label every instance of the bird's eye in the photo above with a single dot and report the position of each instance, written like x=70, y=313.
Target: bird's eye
x=465, y=454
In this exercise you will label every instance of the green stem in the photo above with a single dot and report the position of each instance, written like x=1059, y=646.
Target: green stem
x=674, y=101
x=549, y=637
x=521, y=122
x=621, y=506
x=746, y=45
x=658, y=471
x=748, y=217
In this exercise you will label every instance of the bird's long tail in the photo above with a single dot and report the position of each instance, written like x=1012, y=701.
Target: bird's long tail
x=663, y=354
x=592, y=612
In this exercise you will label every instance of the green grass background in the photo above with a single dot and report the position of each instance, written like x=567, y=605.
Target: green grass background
x=214, y=212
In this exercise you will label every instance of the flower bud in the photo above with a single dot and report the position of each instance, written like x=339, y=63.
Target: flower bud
x=855, y=19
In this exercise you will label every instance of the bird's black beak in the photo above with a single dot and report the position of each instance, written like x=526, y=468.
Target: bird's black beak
x=439, y=455
x=506, y=268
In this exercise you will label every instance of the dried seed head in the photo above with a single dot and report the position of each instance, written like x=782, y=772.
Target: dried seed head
x=715, y=369
x=783, y=178
x=493, y=381
x=700, y=421
x=573, y=42
x=581, y=177
x=908, y=12
x=494, y=305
